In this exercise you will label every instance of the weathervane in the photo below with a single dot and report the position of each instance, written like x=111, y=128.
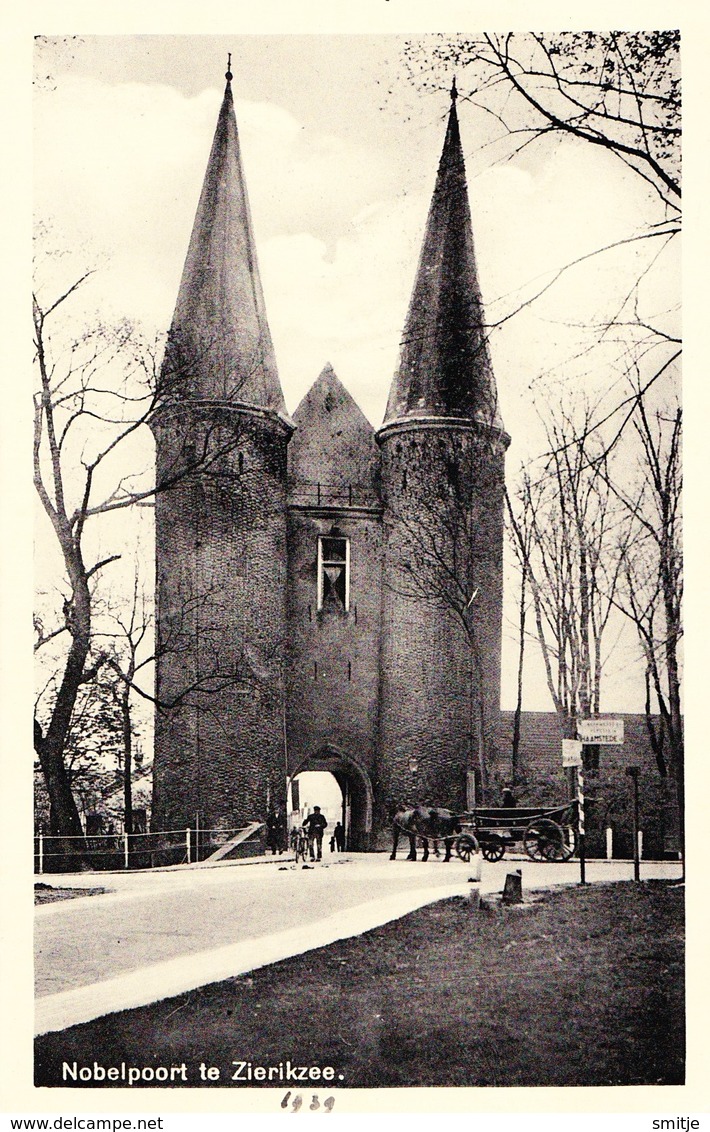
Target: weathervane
x=229, y=76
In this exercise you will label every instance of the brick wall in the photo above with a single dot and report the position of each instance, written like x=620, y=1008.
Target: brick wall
x=333, y=655
x=442, y=490
x=221, y=571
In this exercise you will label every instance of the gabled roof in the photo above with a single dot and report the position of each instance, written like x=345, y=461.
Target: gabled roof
x=334, y=443
x=220, y=345
x=445, y=368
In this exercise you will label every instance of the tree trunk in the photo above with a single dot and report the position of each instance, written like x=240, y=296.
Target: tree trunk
x=65, y=822
x=127, y=760
x=673, y=635
x=519, y=700
x=50, y=745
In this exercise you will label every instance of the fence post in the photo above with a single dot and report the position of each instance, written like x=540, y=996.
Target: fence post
x=188, y=846
x=609, y=843
x=633, y=773
x=41, y=852
x=125, y=850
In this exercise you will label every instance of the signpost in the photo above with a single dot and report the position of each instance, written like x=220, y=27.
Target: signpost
x=572, y=757
x=580, y=826
x=601, y=732
x=571, y=752
x=596, y=733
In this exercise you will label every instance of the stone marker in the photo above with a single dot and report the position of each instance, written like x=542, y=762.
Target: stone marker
x=513, y=889
x=474, y=898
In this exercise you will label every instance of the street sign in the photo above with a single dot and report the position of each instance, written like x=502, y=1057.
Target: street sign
x=571, y=752
x=607, y=732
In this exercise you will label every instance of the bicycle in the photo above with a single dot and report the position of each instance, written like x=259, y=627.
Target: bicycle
x=300, y=844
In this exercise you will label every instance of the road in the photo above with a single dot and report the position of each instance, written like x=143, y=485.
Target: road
x=162, y=933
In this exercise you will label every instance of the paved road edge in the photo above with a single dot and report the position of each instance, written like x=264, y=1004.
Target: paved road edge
x=157, y=981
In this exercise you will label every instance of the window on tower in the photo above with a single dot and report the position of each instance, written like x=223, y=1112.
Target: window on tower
x=333, y=572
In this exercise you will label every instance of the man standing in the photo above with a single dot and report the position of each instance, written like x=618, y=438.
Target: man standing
x=508, y=795
x=272, y=831
x=315, y=825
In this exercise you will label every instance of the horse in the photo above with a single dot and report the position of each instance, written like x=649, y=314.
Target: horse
x=427, y=823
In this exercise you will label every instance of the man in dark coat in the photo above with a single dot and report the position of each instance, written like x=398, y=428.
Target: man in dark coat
x=315, y=825
x=272, y=831
x=508, y=795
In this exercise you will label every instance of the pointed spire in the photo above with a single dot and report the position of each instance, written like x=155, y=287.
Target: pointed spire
x=220, y=345
x=445, y=368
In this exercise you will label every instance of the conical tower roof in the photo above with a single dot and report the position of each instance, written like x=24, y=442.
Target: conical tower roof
x=219, y=345
x=445, y=367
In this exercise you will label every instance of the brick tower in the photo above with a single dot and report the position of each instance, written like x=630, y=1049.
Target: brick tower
x=443, y=448
x=221, y=435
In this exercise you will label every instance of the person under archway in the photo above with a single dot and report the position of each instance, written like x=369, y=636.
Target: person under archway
x=315, y=826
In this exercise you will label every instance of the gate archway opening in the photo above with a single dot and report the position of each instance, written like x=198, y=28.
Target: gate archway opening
x=312, y=788
x=342, y=788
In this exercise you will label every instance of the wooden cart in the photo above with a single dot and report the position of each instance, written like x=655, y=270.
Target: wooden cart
x=546, y=834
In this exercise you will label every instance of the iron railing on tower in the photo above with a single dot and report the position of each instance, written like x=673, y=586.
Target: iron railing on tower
x=322, y=493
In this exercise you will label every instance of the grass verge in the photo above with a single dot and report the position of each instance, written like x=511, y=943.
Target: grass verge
x=582, y=987
x=47, y=894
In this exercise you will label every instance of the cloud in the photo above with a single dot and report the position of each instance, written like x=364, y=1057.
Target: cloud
x=119, y=169
x=345, y=305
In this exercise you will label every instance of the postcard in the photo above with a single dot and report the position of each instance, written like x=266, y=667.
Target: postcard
x=354, y=481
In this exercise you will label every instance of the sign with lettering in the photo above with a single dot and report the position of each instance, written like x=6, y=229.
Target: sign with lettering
x=604, y=731
x=571, y=752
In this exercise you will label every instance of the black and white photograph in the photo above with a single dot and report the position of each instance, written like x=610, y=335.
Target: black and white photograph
x=357, y=461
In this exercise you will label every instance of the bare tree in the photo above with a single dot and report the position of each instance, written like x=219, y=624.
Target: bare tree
x=97, y=392
x=60, y=404
x=618, y=91
x=651, y=557
x=615, y=92
x=563, y=527
x=93, y=747
x=520, y=528
x=130, y=656
x=134, y=647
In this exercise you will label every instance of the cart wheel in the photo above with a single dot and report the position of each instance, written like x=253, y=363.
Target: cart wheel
x=569, y=843
x=544, y=840
x=465, y=846
x=494, y=849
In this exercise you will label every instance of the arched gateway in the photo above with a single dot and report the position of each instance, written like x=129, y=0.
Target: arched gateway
x=356, y=789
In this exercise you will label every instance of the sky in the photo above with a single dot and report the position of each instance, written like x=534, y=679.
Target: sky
x=340, y=154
